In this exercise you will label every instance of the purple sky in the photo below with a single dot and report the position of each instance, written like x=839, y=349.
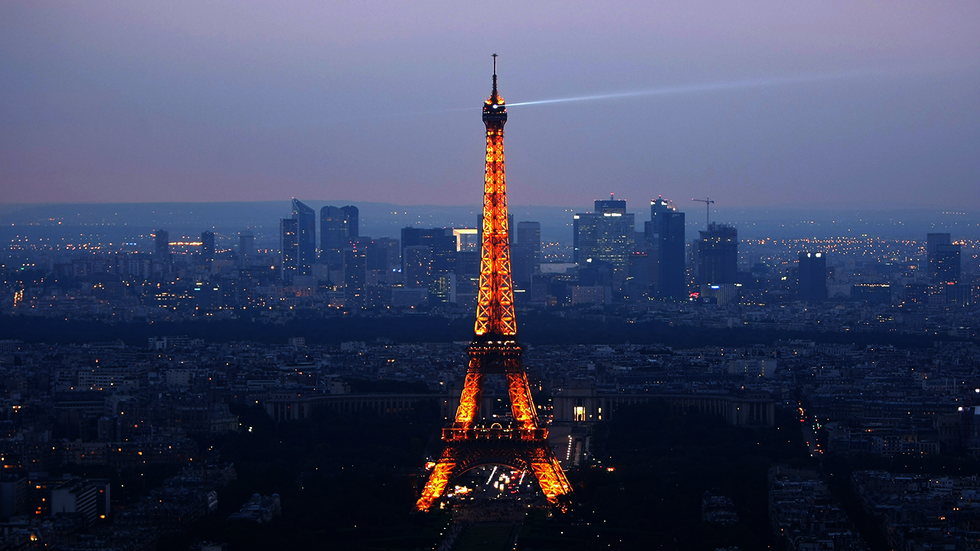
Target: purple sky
x=827, y=103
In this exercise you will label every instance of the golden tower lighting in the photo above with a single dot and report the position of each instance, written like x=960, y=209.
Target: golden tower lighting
x=469, y=443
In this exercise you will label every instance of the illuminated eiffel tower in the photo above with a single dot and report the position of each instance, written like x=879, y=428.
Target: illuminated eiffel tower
x=469, y=443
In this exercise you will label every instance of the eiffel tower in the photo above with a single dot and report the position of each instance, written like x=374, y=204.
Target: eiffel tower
x=469, y=443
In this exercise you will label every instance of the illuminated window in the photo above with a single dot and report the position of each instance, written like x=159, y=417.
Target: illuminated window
x=580, y=413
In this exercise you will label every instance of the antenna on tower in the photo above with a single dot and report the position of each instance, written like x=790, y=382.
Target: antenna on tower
x=494, y=55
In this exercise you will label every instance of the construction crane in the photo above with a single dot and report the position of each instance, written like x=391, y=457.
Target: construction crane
x=707, y=209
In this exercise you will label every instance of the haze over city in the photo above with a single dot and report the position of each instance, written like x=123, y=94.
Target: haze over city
x=839, y=105
x=267, y=282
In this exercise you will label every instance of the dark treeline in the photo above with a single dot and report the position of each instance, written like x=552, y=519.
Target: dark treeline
x=664, y=461
x=535, y=329
x=345, y=482
x=349, y=482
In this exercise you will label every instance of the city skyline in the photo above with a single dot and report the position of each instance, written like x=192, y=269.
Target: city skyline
x=315, y=384
x=758, y=105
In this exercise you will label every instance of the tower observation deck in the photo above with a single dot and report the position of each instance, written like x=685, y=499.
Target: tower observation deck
x=522, y=443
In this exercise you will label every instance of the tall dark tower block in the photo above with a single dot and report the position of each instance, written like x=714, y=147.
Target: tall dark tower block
x=161, y=245
x=207, y=247
x=519, y=442
x=353, y=220
x=606, y=235
x=246, y=247
x=334, y=236
x=355, y=273
x=442, y=265
x=526, y=253
x=289, y=248
x=161, y=250
x=933, y=240
x=718, y=254
x=944, y=258
x=947, y=264
x=306, y=238
x=664, y=237
x=813, y=277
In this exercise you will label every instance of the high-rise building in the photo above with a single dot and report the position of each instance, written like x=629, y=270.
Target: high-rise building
x=526, y=254
x=943, y=257
x=355, y=273
x=718, y=255
x=161, y=249
x=638, y=284
x=467, y=263
x=610, y=206
x=813, y=277
x=246, y=248
x=353, y=220
x=529, y=237
x=935, y=239
x=664, y=242
x=607, y=235
x=522, y=267
x=467, y=239
x=947, y=264
x=334, y=236
x=306, y=237
x=417, y=261
x=161, y=245
x=207, y=247
x=383, y=260
x=289, y=248
x=442, y=266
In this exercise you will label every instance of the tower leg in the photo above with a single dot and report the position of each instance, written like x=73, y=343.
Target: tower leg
x=550, y=476
x=436, y=485
x=520, y=400
x=469, y=400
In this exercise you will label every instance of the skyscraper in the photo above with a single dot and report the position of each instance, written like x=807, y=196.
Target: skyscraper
x=529, y=237
x=611, y=205
x=306, y=237
x=664, y=241
x=207, y=247
x=161, y=250
x=526, y=253
x=606, y=235
x=442, y=265
x=947, y=264
x=933, y=240
x=161, y=245
x=355, y=273
x=353, y=220
x=718, y=255
x=383, y=260
x=943, y=257
x=813, y=277
x=289, y=248
x=334, y=236
x=417, y=260
x=246, y=248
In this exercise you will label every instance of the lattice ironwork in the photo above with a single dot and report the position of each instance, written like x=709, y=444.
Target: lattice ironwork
x=495, y=350
x=495, y=300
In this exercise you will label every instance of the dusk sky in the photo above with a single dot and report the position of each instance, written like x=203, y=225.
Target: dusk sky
x=850, y=104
